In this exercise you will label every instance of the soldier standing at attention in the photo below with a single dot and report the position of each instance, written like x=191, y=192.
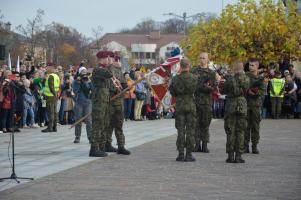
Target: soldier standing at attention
x=100, y=105
x=254, y=99
x=183, y=87
x=203, y=98
x=115, y=116
x=52, y=87
x=235, y=87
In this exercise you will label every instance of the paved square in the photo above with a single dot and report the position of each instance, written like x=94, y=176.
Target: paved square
x=152, y=173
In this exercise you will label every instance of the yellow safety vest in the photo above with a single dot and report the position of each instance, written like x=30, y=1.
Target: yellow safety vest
x=56, y=80
x=277, y=84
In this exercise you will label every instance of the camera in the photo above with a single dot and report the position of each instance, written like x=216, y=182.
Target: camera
x=85, y=78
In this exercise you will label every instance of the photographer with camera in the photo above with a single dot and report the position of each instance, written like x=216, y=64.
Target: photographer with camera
x=82, y=87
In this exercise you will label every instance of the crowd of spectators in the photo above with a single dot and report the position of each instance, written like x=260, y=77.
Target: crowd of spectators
x=23, y=105
x=289, y=105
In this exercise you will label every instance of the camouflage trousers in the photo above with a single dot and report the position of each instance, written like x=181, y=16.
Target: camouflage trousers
x=51, y=104
x=204, y=117
x=235, y=126
x=100, y=111
x=115, y=124
x=185, y=124
x=253, y=125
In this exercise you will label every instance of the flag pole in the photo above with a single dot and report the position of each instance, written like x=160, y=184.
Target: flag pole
x=9, y=62
x=18, y=65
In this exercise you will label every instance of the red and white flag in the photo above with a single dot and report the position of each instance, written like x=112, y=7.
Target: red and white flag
x=160, y=77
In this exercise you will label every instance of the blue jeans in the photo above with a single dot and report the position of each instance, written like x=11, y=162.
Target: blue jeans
x=61, y=111
x=81, y=110
x=30, y=113
x=127, y=108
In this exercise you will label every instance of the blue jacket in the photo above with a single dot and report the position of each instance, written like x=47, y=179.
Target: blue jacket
x=29, y=100
x=80, y=96
x=140, y=87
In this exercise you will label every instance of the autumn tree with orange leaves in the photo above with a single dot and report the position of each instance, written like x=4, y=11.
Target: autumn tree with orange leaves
x=265, y=30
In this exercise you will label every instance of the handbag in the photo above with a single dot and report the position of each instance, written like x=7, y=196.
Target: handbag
x=140, y=96
x=6, y=104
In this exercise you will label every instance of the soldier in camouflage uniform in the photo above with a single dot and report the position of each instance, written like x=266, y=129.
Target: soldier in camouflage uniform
x=254, y=98
x=206, y=83
x=101, y=77
x=183, y=87
x=116, y=116
x=235, y=87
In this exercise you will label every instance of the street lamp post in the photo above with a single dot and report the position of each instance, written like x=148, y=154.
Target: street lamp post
x=184, y=17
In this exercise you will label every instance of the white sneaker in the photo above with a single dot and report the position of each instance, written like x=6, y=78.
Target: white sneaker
x=25, y=126
x=34, y=126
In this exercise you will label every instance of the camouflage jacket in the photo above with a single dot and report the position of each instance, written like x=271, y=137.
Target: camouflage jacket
x=206, y=81
x=257, y=86
x=116, y=71
x=183, y=87
x=235, y=88
x=101, y=82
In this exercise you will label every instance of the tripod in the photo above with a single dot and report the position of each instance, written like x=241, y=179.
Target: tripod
x=13, y=176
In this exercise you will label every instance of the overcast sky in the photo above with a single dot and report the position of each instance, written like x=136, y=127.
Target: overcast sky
x=112, y=15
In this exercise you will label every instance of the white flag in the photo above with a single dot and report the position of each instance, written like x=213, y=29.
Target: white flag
x=18, y=65
x=9, y=62
x=45, y=59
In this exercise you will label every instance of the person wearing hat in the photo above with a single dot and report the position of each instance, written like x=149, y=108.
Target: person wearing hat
x=116, y=116
x=52, y=86
x=82, y=88
x=276, y=90
x=100, y=105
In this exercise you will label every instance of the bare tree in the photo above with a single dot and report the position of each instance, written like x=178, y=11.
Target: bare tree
x=173, y=25
x=145, y=26
x=1, y=16
x=31, y=30
x=97, y=32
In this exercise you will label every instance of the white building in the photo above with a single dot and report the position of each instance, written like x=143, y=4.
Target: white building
x=139, y=49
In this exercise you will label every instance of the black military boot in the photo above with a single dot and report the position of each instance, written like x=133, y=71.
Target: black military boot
x=76, y=140
x=95, y=152
x=180, y=157
x=247, y=149
x=54, y=128
x=110, y=148
x=238, y=158
x=189, y=157
x=102, y=150
x=254, y=149
x=123, y=151
x=47, y=130
x=230, y=158
x=204, y=147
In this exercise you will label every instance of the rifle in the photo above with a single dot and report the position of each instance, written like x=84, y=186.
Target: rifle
x=113, y=98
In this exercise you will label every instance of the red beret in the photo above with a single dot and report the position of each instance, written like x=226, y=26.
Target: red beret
x=111, y=54
x=117, y=58
x=102, y=54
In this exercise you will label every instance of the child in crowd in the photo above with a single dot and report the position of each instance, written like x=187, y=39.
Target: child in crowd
x=29, y=102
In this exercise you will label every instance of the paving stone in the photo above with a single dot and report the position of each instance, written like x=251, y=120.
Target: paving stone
x=151, y=172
